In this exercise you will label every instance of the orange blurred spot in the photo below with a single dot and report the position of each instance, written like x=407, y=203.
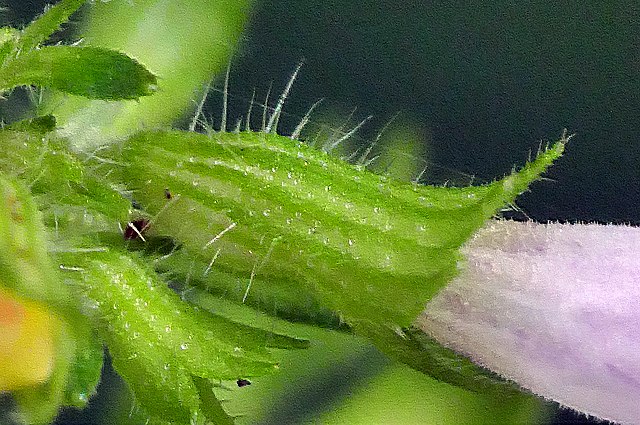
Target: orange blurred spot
x=11, y=312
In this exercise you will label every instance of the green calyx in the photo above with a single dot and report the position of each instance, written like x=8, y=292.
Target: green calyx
x=372, y=249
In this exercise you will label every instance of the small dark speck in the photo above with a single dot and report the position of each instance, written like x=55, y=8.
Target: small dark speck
x=243, y=382
x=135, y=228
x=167, y=194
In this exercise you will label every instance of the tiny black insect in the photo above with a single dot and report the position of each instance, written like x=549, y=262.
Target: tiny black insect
x=243, y=382
x=167, y=193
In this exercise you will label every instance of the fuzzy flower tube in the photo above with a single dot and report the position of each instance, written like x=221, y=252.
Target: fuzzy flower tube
x=552, y=307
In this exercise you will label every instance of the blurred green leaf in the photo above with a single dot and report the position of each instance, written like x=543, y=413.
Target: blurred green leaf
x=70, y=196
x=84, y=375
x=27, y=271
x=37, y=125
x=8, y=41
x=378, y=391
x=46, y=24
x=400, y=395
x=184, y=43
x=400, y=150
x=85, y=71
x=211, y=406
x=25, y=266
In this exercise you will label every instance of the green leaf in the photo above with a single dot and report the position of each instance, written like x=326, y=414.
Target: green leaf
x=211, y=406
x=85, y=71
x=86, y=367
x=46, y=24
x=8, y=41
x=158, y=342
x=371, y=248
x=421, y=352
x=37, y=125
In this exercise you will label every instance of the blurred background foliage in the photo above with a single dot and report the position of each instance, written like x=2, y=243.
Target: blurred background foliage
x=472, y=87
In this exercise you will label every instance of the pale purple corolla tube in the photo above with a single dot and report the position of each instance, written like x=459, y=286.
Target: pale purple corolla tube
x=555, y=308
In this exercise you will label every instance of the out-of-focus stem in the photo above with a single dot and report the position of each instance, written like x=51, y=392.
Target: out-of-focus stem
x=183, y=43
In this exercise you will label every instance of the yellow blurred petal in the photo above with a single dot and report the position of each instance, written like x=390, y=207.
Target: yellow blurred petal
x=27, y=342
